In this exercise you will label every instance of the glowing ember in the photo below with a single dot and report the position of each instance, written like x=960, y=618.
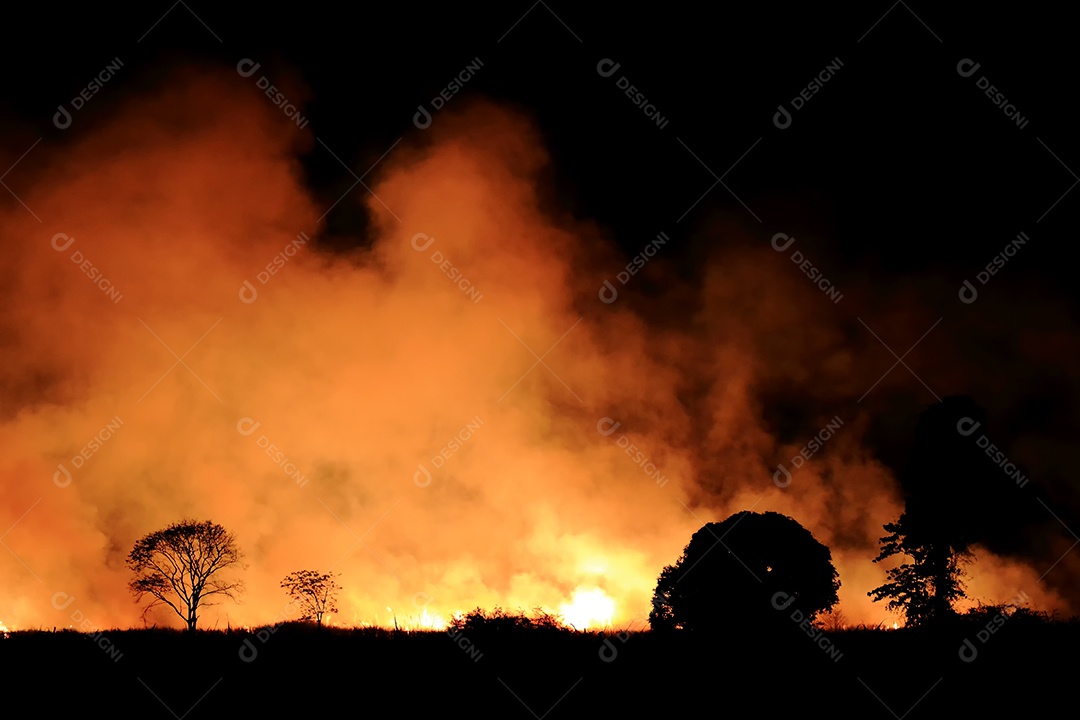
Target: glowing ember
x=588, y=608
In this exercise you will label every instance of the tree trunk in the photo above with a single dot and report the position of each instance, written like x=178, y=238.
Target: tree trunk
x=942, y=579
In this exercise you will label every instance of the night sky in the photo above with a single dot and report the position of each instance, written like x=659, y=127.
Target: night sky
x=897, y=165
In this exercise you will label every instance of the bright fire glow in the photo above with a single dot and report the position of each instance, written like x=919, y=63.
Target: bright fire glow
x=395, y=391
x=432, y=621
x=424, y=621
x=589, y=608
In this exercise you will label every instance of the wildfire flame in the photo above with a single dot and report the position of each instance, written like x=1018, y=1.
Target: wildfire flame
x=588, y=608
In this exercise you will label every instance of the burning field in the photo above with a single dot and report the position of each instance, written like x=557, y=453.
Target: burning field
x=448, y=408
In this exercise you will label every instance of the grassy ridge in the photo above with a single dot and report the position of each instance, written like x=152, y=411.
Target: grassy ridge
x=498, y=671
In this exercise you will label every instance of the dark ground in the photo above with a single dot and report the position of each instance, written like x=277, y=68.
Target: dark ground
x=1024, y=666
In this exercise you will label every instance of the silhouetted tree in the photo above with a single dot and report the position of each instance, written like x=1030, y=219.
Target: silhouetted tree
x=924, y=589
x=315, y=592
x=952, y=498
x=180, y=565
x=730, y=573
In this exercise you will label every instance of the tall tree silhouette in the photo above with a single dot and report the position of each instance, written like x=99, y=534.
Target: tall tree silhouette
x=925, y=588
x=951, y=499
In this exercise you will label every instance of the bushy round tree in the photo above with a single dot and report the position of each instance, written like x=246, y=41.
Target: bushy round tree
x=731, y=572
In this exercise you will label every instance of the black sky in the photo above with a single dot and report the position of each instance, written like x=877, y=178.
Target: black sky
x=897, y=165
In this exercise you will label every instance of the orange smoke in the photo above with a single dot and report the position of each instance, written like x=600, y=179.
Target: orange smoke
x=427, y=416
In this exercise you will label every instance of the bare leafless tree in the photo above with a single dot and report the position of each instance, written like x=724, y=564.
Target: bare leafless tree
x=180, y=567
